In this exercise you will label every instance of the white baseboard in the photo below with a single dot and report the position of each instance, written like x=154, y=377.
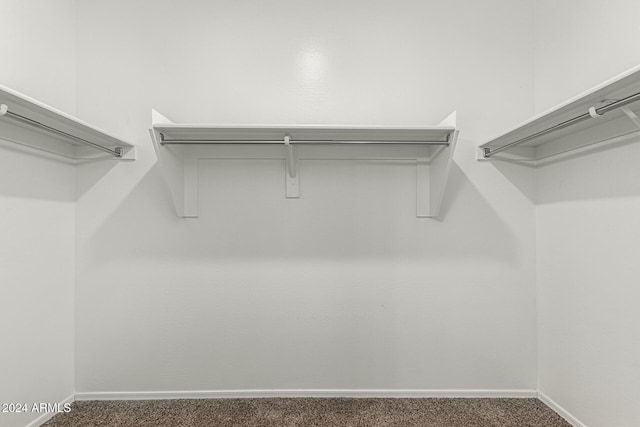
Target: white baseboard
x=560, y=410
x=226, y=394
x=48, y=415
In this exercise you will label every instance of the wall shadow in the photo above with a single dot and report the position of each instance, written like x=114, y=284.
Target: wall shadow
x=28, y=173
x=601, y=173
x=323, y=223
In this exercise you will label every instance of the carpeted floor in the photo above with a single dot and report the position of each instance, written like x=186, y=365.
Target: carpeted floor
x=312, y=412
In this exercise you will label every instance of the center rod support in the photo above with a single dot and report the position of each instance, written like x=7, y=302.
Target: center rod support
x=291, y=161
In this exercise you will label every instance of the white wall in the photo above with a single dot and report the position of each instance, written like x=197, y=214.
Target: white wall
x=37, y=210
x=38, y=50
x=587, y=225
x=344, y=288
x=267, y=293
x=581, y=43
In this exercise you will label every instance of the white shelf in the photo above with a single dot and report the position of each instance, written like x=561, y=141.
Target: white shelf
x=612, y=127
x=179, y=147
x=48, y=129
x=271, y=134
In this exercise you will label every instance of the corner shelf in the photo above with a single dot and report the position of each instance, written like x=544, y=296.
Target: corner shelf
x=602, y=116
x=179, y=147
x=26, y=121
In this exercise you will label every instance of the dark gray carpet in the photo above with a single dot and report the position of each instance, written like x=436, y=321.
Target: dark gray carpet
x=312, y=412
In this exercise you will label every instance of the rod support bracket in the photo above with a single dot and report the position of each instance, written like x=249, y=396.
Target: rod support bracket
x=3, y=109
x=594, y=113
x=291, y=161
x=291, y=175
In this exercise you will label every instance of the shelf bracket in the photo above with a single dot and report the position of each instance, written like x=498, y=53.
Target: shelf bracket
x=423, y=193
x=632, y=116
x=191, y=188
x=180, y=170
x=439, y=170
x=291, y=175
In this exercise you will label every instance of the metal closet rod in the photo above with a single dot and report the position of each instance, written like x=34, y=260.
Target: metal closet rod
x=164, y=141
x=488, y=152
x=116, y=151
